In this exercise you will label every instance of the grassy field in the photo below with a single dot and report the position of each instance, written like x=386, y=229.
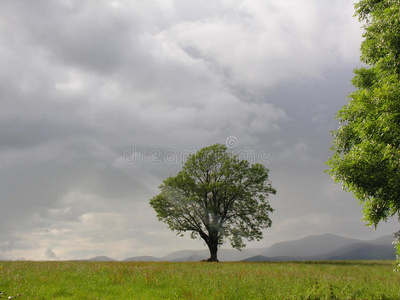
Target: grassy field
x=191, y=280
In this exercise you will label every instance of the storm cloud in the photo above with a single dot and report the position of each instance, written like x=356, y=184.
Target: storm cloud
x=84, y=82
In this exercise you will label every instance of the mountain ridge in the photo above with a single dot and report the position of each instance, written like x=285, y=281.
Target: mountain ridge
x=327, y=246
x=357, y=251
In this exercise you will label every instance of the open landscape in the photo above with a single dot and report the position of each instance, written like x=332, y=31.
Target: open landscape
x=212, y=149
x=324, y=247
x=197, y=280
x=324, y=266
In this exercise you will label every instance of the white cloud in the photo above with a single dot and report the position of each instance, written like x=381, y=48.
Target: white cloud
x=264, y=43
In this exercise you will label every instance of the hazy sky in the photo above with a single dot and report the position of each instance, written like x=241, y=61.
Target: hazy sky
x=101, y=100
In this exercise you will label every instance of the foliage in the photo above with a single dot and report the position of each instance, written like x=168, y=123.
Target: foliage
x=163, y=280
x=366, y=146
x=216, y=196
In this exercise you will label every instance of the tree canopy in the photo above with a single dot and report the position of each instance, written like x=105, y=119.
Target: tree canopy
x=366, y=146
x=216, y=196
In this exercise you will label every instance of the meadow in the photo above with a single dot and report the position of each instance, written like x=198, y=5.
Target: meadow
x=199, y=280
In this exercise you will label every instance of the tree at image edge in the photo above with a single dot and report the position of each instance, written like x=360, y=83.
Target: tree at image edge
x=366, y=146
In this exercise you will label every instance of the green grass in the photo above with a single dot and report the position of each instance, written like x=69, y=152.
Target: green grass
x=163, y=280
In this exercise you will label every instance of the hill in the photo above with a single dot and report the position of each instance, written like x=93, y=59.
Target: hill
x=357, y=251
x=362, y=251
x=193, y=257
x=101, y=258
x=223, y=254
x=260, y=258
x=309, y=246
x=315, y=247
x=142, y=258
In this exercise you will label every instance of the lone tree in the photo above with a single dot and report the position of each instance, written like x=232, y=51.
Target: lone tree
x=366, y=146
x=216, y=196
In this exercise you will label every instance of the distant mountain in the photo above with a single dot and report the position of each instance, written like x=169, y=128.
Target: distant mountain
x=193, y=257
x=315, y=247
x=236, y=255
x=142, y=258
x=180, y=254
x=101, y=258
x=356, y=251
x=223, y=254
x=384, y=240
x=362, y=251
x=309, y=246
x=260, y=258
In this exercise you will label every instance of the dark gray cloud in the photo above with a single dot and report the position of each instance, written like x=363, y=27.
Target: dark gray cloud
x=83, y=82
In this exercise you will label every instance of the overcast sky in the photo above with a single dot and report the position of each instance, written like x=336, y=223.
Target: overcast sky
x=101, y=100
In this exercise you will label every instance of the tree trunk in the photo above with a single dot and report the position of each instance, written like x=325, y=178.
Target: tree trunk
x=212, y=243
x=213, y=246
